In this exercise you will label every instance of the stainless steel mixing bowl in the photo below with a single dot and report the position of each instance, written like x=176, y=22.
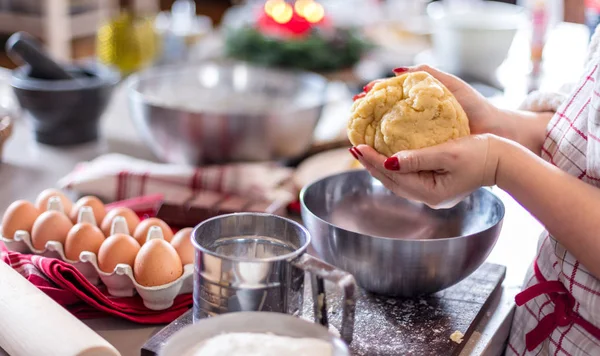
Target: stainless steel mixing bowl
x=218, y=112
x=393, y=246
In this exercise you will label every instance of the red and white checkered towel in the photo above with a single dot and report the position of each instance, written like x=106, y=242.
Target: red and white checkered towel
x=116, y=177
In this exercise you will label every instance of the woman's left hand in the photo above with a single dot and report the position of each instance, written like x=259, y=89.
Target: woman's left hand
x=439, y=176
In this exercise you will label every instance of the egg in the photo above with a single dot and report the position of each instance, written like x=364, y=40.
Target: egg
x=50, y=226
x=157, y=262
x=20, y=215
x=130, y=216
x=42, y=200
x=83, y=237
x=182, y=241
x=91, y=201
x=118, y=248
x=141, y=232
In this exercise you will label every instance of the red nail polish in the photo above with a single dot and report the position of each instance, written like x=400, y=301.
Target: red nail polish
x=392, y=164
x=352, y=151
x=358, y=96
x=356, y=150
x=367, y=88
x=400, y=70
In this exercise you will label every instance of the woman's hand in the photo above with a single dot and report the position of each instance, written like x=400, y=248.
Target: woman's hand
x=523, y=127
x=483, y=116
x=439, y=176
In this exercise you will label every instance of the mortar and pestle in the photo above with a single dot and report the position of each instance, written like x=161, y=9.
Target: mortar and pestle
x=64, y=103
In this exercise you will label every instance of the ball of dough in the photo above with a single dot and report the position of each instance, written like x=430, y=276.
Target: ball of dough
x=407, y=112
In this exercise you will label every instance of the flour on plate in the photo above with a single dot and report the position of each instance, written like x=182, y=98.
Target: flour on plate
x=255, y=344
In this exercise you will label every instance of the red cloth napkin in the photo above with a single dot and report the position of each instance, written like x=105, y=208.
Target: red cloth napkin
x=68, y=287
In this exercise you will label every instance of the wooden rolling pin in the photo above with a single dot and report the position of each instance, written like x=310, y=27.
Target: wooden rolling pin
x=31, y=323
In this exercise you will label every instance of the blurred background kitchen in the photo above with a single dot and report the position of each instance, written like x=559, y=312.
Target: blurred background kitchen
x=166, y=61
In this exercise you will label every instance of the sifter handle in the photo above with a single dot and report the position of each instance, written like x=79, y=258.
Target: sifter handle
x=321, y=271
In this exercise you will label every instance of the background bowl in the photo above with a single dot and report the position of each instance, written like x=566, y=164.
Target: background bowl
x=218, y=112
x=474, y=41
x=393, y=246
x=250, y=322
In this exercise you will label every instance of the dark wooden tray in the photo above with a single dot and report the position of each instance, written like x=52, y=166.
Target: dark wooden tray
x=392, y=326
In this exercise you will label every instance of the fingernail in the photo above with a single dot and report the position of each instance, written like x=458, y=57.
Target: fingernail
x=352, y=151
x=358, y=96
x=392, y=164
x=370, y=86
x=357, y=151
x=400, y=70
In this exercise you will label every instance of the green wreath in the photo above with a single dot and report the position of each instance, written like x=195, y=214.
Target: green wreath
x=315, y=52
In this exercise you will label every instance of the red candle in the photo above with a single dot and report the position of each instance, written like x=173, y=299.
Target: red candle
x=279, y=18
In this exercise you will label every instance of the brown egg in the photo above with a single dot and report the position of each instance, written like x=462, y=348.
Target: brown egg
x=157, y=263
x=182, y=241
x=42, y=200
x=141, y=231
x=94, y=203
x=130, y=216
x=20, y=215
x=83, y=237
x=50, y=226
x=118, y=248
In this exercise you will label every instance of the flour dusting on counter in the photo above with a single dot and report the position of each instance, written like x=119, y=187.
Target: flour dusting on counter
x=417, y=327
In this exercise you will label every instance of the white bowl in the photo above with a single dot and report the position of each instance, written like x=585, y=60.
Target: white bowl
x=186, y=339
x=474, y=41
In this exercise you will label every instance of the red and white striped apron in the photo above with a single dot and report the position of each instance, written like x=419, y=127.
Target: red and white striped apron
x=558, y=312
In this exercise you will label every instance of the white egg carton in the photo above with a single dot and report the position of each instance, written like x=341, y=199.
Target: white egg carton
x=14, y=244
x=119, y=283
x=55, y=249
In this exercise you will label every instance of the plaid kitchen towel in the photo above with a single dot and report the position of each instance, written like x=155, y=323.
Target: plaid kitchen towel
x=117, y=177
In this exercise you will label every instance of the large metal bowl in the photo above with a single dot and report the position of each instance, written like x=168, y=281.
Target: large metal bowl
x=393, y=246
x=218, y=112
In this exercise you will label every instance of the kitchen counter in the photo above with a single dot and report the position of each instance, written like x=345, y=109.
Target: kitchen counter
x=29, y=168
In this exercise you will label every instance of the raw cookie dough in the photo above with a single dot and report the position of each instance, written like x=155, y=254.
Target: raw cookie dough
x=410, y=111
x=457, y=337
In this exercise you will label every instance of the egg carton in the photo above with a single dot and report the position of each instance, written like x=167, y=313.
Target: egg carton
x=55, y=249
x=22, y=243
x=15, y=245
x=121, y=281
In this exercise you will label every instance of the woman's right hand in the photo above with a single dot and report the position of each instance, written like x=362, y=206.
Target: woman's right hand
x=483, y=116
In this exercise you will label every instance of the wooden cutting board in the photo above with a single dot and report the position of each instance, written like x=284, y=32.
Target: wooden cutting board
x=393, y=326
